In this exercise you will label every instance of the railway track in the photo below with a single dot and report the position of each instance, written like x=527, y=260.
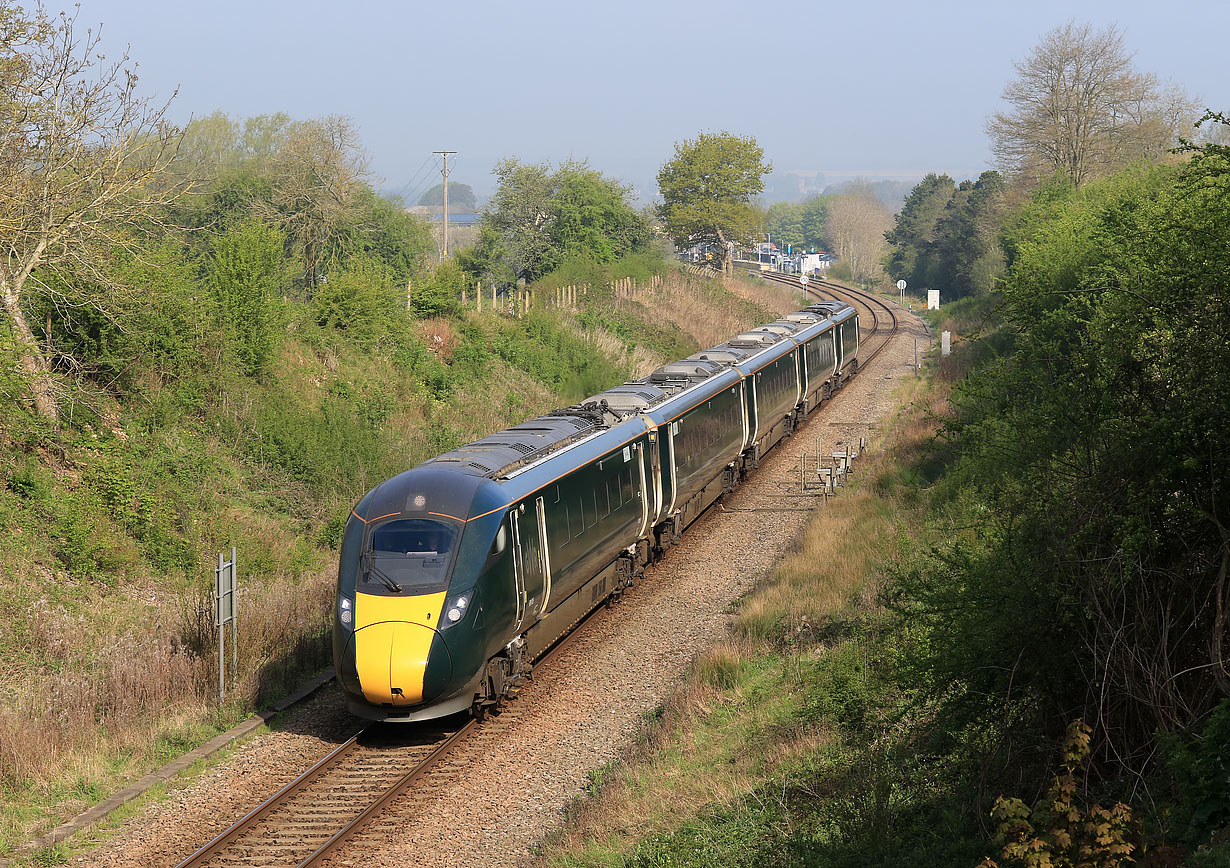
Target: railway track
x=339, y=801
x=341, y=798
x=876, y=307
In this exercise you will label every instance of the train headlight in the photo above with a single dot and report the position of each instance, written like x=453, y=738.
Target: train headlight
x=455, y=609
x=345, y=611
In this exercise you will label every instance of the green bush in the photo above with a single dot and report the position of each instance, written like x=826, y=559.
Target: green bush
x=245, y=272
x=361, y=301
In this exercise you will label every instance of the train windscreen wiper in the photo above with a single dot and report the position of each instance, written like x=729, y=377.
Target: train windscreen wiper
x=373, y=570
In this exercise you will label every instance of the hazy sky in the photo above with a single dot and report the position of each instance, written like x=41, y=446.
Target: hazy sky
x=879, y=88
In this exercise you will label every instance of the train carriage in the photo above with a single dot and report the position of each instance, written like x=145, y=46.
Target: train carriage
x=455, y=575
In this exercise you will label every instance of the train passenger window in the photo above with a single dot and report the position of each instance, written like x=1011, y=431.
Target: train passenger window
x=578, y=527
x=604, y=497
x=626, y=482
x=593, y=513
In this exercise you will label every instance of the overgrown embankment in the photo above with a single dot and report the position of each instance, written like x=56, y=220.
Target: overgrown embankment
x=111, y=521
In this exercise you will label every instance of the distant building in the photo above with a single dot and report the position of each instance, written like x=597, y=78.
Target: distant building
x=435, y=213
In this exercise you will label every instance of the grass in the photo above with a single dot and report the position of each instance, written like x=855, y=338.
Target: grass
x=111, y=525
x=730, y=770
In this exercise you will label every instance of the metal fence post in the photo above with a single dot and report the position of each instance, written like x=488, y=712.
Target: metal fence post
x=234, y=622
x=225, y=590
x=221, y=627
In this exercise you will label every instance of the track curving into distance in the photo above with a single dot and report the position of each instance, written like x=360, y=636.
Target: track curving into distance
x=341, y=797
x=883, y=317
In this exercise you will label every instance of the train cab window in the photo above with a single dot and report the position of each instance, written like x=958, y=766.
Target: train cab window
x=408, y=556
x=501, y=540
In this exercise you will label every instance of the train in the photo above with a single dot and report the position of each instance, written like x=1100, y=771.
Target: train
x=457, y=575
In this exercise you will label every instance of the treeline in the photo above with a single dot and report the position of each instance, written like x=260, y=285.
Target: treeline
x=540, y=219
x=945, y=236
x=1079, y=570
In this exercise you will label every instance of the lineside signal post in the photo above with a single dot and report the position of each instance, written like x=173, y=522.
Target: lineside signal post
x=225, y=582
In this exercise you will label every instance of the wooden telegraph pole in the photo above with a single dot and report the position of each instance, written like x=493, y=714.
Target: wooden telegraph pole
x=446, y=155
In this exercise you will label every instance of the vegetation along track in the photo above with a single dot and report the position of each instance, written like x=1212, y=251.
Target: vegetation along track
x=341, y=797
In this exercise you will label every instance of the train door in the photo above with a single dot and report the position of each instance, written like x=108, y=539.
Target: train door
x=669, y=468
x=529, y=560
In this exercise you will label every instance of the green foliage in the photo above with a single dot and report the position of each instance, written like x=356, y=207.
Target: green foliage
x=538, y=218
x=592, y=216
x=754, y=833
x=784, y=224
x=1083, y=518
x=1199, y=767
x=439, y=294
x=914, y=229
x=246, y=277
x=460, y=196
x=388, y=234
x=554, y=356
x=945, y=237
x=707, y=188
x=1059, y=831
x=360, y=301
x=799, y=225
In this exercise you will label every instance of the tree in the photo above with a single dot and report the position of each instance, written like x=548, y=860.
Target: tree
x=857, y=221
x=592, y=216
x=707, y=188
x=82, y=162
x=245, y=272
x=318, y=177
x=459, y=196
x=963, y=256
x=815, y=222
x=784, y=224
x=515, y=238
x=538, y=217
x=914, y=229
x=1078, y=108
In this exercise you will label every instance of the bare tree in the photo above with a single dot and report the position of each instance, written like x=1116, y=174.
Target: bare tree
x=319, y=170
x=1079, y=108
x=81, y=163
x=856, y=223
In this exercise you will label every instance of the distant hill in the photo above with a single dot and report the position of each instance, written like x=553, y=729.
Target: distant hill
x=460, y=196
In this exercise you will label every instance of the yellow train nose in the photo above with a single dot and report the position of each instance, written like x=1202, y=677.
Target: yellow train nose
x=392, y=641
x=392, y=659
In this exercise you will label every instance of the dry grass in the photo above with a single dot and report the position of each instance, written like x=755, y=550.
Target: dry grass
x=702, y=307
x=96, y=714
x=731, y=728
x=440, y=338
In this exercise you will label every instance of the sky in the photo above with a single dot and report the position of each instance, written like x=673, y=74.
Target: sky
x=877, y=88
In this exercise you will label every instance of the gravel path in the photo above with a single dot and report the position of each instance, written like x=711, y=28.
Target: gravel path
x=501, y=793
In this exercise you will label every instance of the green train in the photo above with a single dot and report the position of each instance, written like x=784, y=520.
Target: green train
x=457, y=574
